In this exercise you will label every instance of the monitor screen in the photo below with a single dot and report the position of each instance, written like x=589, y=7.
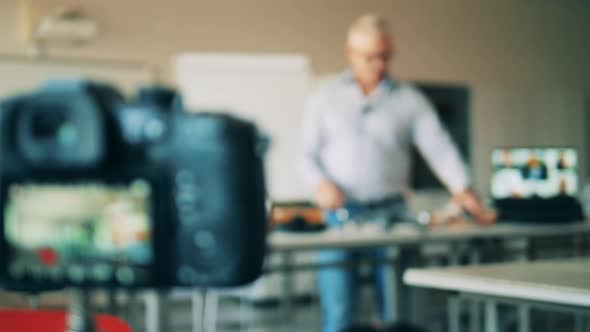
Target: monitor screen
x=452, y=106
x=79, y=231
x=534, y=172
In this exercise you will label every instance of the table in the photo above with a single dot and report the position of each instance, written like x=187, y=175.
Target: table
x=403, y=236
x=558, y=284
x=406, y=237
x=408, y=233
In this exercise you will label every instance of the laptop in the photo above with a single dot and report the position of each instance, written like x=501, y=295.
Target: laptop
x=536, y=184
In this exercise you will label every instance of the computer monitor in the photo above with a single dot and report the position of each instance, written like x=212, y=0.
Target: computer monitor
x=453, y=106
x=525, y=173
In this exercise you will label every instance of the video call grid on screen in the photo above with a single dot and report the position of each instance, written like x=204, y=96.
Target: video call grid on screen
x=521, y=173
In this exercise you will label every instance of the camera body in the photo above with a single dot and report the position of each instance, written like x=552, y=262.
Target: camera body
x=99, y=192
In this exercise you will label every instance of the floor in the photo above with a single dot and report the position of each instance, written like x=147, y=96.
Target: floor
x=305, y=315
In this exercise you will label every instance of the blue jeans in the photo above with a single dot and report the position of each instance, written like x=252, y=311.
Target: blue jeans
x=339, y=286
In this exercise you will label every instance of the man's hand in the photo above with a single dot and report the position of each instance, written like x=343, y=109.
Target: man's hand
x=471, y=203
x=329, y=197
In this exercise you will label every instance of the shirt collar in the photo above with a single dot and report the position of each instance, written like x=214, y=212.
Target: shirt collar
x=387, y=83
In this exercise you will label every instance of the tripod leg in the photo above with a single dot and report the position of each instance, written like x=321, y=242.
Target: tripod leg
x=79, y=314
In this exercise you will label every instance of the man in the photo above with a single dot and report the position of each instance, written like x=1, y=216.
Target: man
x=358, y=131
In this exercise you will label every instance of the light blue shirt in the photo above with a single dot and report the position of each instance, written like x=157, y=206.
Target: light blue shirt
x=362, y=143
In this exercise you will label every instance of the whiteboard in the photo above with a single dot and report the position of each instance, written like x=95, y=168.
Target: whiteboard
x=20, y=74
x=270, y=90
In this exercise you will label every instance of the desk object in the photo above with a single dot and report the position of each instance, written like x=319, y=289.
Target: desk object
x=296, y=217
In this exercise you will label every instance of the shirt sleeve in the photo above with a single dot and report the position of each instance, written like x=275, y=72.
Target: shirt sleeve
x=437, y=147
x=313, y=139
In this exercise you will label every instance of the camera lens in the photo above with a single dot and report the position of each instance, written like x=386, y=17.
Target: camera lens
x=46, y=123
x=49, y=123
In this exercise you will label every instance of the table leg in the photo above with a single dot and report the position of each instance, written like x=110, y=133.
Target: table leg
x=151, y=311
x=454, y=255
x=389, y=291
x=454, y=308
x=287, y=289
x=475, y=308
x=243, y=314
x=528, y=250
x=577, y=242
x=396, y=283
x=524, y=317
x=405, y=308
x=132, y=306
x=491, y=316
x=581, y=322
x=578, y=323
x=198, y=298
x=211, y=310
x=156, y=311
x=112, y=303
x=475, y=316
x=531, y=252
x=474, y=256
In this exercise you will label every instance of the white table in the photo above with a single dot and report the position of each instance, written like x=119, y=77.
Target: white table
x=406, y=236
x=401, y=236
x=405, y=233
x=558, y=284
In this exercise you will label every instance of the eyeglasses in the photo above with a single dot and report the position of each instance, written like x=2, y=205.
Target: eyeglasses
x=372, y=57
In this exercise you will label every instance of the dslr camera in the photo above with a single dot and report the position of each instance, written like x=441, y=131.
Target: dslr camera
x=97, y=191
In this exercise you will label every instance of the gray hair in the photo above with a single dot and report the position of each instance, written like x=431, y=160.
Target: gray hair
x=367, y=25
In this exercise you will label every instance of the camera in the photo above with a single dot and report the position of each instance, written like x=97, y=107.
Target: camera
x=99, y=191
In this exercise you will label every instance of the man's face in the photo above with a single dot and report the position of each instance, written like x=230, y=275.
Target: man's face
x=369, y=58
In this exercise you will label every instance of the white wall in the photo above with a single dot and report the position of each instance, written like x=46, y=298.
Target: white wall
x=527, y=61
